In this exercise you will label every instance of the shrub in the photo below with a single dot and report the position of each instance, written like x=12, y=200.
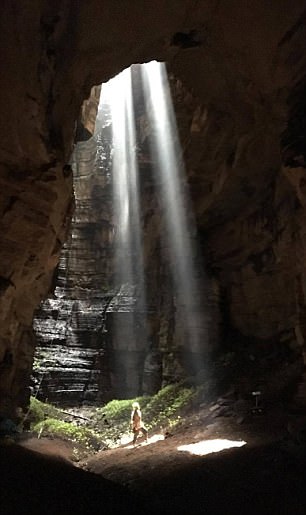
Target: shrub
x=68, y=431
x=39, y=411
x=167, y=404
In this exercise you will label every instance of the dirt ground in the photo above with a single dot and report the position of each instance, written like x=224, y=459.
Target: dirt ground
x=266, y=475
x=188, y=472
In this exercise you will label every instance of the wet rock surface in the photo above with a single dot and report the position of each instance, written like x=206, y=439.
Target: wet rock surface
x=70, y=326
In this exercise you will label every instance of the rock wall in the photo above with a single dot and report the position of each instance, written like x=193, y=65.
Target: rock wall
x=69, y=367
x=35, y=222
x=244, y=146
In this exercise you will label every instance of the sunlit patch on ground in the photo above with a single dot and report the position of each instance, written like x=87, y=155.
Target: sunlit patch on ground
x=156, y=438
x=209, y=446
x=125, y=440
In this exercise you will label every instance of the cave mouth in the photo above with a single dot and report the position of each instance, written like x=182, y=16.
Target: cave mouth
x=109, y=331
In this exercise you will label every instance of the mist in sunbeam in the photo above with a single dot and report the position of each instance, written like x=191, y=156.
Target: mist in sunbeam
x=155, y=149
x=210, y=446
x=117, y=94
x=180, y=229
x=126, y=313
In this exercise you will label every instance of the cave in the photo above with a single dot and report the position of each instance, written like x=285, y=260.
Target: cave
x=74, y=329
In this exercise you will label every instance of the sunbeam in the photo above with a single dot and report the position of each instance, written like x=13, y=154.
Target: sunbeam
x=210, y=446
x=180, y=228
x=129, y=301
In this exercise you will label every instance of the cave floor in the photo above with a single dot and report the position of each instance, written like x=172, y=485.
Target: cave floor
x=265, y=476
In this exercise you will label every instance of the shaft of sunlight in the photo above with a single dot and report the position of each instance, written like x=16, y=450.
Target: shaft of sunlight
x=116, y=97
x=180, y=225
x=129, y=268
x=133, y=192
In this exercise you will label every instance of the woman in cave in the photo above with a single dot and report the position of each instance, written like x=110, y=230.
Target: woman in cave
x=136, y=422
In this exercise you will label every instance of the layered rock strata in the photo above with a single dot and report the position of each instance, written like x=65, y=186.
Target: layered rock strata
x=69, y=326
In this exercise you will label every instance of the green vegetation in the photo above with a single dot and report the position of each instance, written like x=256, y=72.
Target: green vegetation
x=68, y=431
x=47, y=420
x=111, y=423
x=159, y=411
x=164, y=407
x=39, y=411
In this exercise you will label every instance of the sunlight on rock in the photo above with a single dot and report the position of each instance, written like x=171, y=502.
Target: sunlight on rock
x=209, y=446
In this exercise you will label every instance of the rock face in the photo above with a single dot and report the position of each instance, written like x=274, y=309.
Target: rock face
x=69, y=326
x=242, y=133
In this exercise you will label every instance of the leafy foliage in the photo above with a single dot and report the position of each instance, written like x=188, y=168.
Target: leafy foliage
x=39, y=411
x=68, y=431
x=166, y=405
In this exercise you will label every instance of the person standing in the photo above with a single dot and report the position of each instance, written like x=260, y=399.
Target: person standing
x=136, y=422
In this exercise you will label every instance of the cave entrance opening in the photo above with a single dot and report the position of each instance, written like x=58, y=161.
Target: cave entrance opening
x=129, y=301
